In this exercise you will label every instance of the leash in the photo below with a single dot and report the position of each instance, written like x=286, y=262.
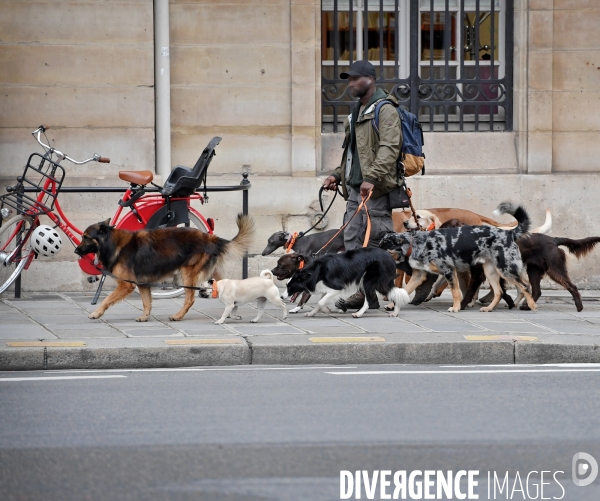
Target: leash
x=412, y=208
x=362, y=204
x=148, y=284
x=297, y=235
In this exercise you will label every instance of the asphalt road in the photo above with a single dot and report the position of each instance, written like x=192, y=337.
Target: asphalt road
x=284, y=434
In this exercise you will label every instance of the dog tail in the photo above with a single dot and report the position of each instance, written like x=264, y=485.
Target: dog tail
x=266, y=274
x=547, y=226
x=579, y=248
x=237, y=247
x=519, y=213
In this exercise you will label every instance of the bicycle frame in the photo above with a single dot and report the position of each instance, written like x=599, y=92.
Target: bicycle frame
x=136, y=219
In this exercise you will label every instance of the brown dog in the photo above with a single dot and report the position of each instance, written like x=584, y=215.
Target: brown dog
x=148, y=256
x=441, y=216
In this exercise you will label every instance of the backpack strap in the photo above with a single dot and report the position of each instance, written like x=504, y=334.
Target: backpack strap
x=375, y=120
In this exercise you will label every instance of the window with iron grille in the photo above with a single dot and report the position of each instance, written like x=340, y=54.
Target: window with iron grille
x=447, y=61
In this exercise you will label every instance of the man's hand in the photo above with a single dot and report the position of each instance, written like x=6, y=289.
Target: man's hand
x=365, y=188
x=330, y=183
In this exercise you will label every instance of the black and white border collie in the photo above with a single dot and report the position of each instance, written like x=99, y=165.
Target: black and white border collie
x=367, y=269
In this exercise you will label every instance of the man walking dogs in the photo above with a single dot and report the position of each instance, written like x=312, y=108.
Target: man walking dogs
x=368, y=164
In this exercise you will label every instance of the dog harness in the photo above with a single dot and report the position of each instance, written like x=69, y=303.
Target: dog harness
x=215, y=290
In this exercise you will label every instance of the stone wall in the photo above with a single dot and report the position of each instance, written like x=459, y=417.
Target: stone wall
x=86, y=70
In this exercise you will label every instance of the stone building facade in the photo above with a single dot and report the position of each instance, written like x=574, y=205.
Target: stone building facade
x=250, y=72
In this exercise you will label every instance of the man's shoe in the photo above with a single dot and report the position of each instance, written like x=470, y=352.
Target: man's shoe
x=355, y=302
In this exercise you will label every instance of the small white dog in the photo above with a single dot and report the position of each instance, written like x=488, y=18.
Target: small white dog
x=232, y=293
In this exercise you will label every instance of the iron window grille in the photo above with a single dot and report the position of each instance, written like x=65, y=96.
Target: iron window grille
x=450, y=62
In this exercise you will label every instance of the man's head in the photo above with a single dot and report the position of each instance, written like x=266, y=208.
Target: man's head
x=361, y=78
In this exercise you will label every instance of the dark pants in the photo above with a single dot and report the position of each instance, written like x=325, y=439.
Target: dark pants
x=381, y=220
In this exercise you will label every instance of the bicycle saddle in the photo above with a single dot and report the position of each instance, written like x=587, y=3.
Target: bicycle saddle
x=183, y=181
x=141, y=177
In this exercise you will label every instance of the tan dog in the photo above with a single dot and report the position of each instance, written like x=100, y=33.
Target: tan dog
x=435, y=218
x=232, y=293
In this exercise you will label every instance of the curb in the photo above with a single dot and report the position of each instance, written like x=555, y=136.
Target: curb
x=25, y=359
x=270, y=353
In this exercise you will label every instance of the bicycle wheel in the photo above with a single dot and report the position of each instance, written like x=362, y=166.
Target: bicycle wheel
x=12, y=234
x=174, y=289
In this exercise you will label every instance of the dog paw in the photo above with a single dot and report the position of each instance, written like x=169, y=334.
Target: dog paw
x=524, y=307
x=141, y=319
x=357, y=315
x=389, y=307
x=219, y=322
x=392, y=314
x=94, y=315
x=174, y=318
x=486, y=309
x=296, y=309
x=453, y=310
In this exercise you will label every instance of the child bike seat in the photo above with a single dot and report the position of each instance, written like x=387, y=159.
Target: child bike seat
x=142, y=177
x=183, y=181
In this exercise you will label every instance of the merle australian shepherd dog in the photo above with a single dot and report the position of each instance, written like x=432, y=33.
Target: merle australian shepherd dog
x=147, y=256
x=448, y=251
x=367, y=269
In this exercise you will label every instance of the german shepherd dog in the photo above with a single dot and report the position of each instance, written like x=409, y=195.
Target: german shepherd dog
x=148, y=256
x=448, y=251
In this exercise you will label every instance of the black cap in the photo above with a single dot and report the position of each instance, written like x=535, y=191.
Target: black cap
x=358, y=68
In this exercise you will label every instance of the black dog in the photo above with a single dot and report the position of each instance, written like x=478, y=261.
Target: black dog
x=307, y=244
x=287, y=265
x=451, y=250
x=333, y=275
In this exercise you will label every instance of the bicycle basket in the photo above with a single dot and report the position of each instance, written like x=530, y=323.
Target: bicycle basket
x=37, y=188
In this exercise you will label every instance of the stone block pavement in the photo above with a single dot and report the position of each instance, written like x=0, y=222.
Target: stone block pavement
x=52, y=331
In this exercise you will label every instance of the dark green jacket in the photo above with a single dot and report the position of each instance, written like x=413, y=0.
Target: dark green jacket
x=377, y=155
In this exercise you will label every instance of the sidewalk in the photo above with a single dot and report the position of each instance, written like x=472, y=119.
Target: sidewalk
x=52, y=331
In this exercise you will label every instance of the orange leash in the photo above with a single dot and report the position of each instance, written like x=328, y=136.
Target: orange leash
x=215, y=290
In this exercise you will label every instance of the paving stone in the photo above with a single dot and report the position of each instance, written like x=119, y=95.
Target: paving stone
x=570, y=326
x=103, y=332
x=385, y=324
x=448, y=325
x=23, y=331
x=264, y=329
x=151, y=332
x=520, y=327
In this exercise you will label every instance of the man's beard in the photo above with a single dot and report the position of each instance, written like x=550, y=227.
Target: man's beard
x=359, y=93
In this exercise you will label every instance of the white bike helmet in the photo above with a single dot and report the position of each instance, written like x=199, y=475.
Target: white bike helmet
x=46, y=241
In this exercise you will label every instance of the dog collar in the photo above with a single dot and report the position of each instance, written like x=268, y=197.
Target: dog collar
x=431, y=227
x=410, y=249
x=290, y=243
x=215, y=290
x=301, y=265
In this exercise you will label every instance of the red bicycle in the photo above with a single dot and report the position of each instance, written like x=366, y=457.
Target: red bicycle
x=36, y=194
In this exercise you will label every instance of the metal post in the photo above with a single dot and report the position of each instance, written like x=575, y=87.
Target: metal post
x=19, y=255
x=162, y=88
x=245, y=212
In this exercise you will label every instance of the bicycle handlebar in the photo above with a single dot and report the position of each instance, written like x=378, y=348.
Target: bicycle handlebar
x=42, y=128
